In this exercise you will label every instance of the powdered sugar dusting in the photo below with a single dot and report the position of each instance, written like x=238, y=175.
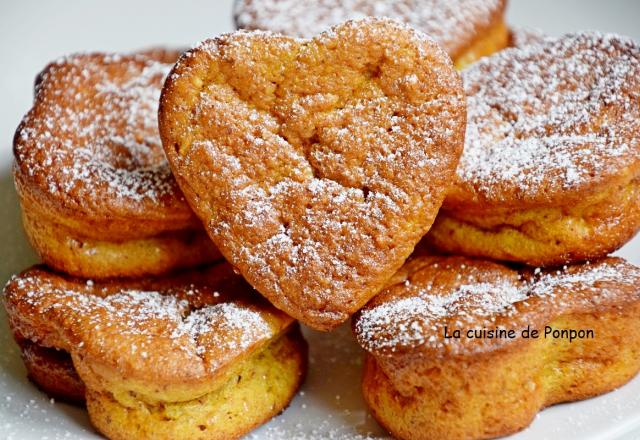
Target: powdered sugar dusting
x=417, y=317
x=526, y=36
x=236, y=327
x=95, y=120
x=453, y=23
x=186, y=323
x=549, y=116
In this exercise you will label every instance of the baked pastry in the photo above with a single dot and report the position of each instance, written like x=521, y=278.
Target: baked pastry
x=551, y=168
x=423, y=380
x=98, y=198
x=467, y=29
x=318, y=164
x=197, y=355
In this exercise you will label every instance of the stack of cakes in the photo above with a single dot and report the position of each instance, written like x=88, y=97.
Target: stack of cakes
x=463, y=219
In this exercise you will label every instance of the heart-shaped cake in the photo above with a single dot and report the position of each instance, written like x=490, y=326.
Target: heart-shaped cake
x=316, y=165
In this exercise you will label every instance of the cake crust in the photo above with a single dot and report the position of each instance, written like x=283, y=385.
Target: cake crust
x=551, y=168
x=184, y=355
x=423, y=380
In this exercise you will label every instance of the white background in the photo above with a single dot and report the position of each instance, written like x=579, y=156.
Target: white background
x=33, y=33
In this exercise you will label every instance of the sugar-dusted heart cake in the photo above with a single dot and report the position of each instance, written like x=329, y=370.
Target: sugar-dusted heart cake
x=316, y=165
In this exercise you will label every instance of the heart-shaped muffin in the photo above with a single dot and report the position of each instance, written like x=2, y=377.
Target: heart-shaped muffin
x=316, y=165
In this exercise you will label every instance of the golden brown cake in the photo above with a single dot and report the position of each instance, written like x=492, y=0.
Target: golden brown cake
x=551, y=168
x=98, y=198
x=423, y=381
x=317, y=165
x=198, y=355
x=467, y=29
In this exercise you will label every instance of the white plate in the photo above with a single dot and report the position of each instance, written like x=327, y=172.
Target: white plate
x=330, y=405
